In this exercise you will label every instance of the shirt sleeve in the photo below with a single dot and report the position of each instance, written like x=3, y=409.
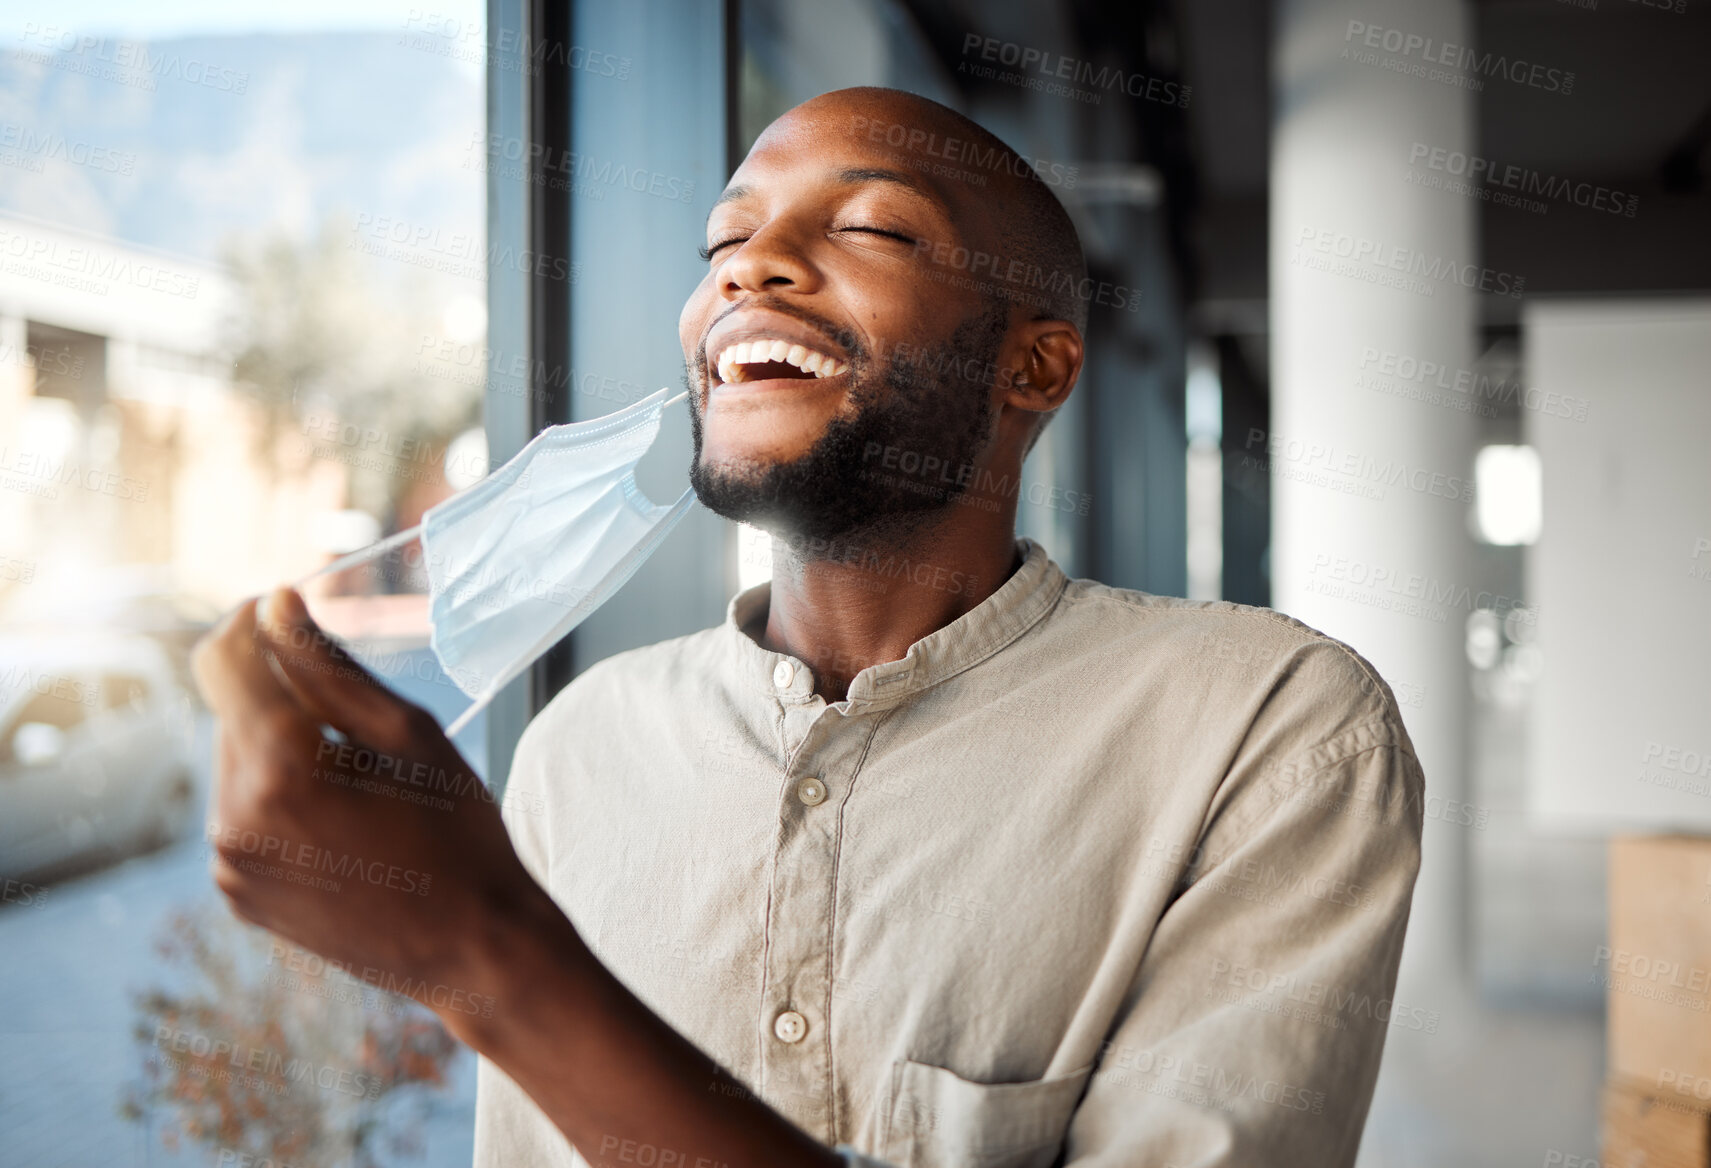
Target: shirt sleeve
x=1253, y=1030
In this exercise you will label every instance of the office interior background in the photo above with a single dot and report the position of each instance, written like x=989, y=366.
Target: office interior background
x=1408, y=337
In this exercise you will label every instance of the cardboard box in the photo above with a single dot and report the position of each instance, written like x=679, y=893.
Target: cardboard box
x=1644, y=1130
x=1657, y=965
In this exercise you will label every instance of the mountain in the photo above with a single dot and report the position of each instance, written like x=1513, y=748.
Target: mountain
x=178, y=144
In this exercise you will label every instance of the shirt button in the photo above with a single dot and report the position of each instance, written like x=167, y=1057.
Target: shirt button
x=790, y=1027
x=783, y=674
x=811, y=791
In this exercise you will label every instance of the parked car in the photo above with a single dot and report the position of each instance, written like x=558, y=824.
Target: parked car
x=125, y=600
x=95, y=751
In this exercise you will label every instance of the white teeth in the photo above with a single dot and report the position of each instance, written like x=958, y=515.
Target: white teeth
x=734, y=357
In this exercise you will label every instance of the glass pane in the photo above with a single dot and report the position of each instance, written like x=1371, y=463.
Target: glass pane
x=242, y=332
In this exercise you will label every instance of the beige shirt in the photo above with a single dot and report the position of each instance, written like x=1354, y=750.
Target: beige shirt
x=1089, y=873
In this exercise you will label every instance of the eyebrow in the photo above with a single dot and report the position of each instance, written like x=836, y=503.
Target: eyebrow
x=851, y=176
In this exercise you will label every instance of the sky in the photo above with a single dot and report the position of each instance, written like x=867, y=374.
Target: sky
x=160, y=19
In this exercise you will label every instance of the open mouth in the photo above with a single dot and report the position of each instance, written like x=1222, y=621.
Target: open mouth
x=768, y=360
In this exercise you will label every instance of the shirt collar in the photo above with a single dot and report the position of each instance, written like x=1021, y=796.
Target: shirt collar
x=1018, y=604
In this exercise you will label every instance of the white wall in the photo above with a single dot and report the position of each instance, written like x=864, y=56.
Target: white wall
x=1622, y=569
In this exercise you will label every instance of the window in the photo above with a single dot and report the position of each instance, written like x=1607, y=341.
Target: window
x=242, y=330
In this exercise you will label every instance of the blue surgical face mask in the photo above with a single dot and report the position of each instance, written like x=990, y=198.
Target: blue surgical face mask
x=521, y=558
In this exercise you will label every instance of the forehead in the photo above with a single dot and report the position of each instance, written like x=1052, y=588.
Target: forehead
x=833, y=148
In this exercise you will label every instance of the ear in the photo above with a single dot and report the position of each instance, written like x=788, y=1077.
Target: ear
x=1044, y=361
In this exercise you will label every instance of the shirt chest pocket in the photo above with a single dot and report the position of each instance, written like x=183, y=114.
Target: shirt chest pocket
x=940, y=1120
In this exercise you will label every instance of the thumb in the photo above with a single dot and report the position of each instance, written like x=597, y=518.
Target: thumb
x=329, y=683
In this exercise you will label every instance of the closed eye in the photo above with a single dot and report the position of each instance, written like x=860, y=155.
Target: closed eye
x=707, y=253
x=881, y=231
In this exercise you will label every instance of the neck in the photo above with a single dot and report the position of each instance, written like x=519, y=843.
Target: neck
x=864, y=598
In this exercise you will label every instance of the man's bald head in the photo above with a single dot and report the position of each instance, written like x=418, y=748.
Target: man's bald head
x=1035, y=257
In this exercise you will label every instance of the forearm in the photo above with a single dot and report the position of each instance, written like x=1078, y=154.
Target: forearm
x=602, y=1066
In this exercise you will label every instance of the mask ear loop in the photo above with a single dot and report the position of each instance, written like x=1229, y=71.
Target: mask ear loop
x=363, y=555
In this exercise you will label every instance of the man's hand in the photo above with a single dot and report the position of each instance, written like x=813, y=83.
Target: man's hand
x=313, y=843
x=348, y=848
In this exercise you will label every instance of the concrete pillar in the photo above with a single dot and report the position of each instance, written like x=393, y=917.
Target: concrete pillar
x=1367, y=274
x=1356, y=553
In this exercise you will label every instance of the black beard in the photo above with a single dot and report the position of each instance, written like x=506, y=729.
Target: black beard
x=920, y=422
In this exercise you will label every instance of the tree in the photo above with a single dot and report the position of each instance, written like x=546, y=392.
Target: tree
x=270, y=1052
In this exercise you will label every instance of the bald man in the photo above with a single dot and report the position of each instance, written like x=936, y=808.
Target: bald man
x=928, y=855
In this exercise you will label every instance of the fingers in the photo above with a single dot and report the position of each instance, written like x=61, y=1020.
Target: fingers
x=236, y=681
x=331, y=686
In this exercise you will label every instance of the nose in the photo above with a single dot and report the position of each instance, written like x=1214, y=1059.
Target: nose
x=770, y=260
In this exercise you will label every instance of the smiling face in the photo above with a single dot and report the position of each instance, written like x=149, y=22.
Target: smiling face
x=829, y=344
